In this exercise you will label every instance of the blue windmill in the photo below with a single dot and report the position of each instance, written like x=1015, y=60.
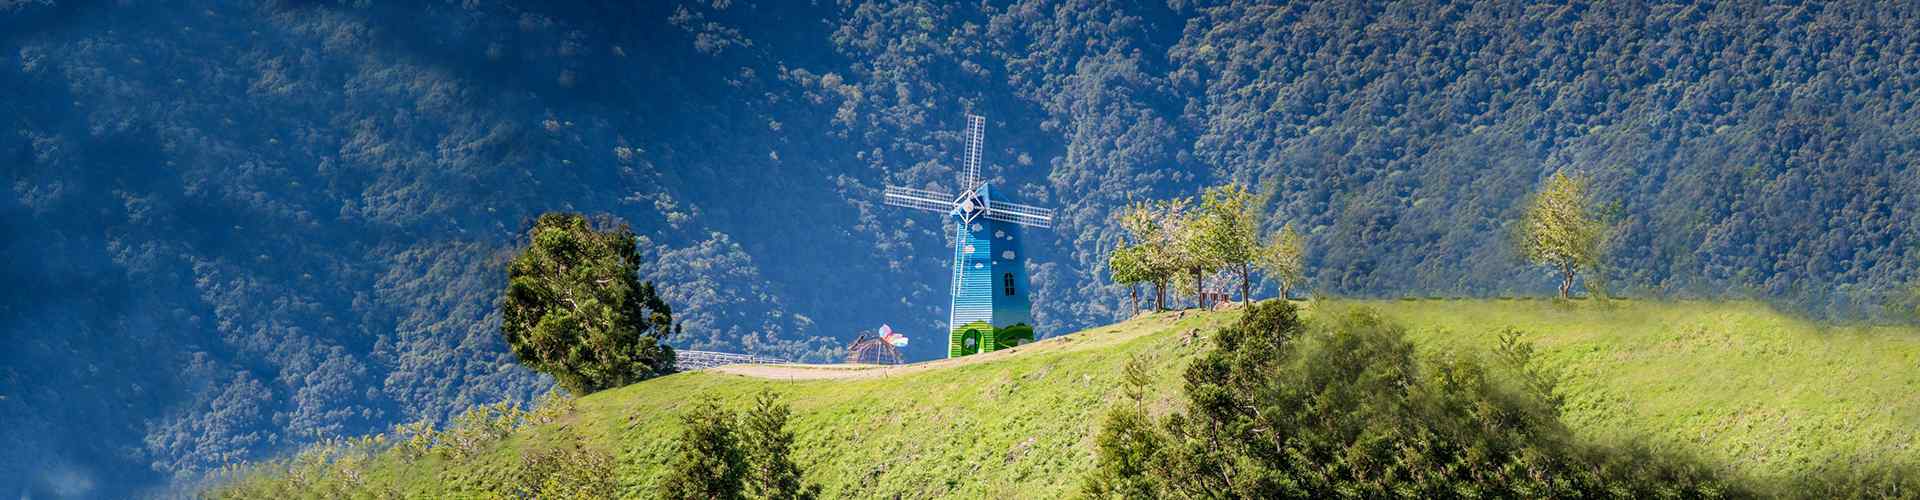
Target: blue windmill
x=990, y=306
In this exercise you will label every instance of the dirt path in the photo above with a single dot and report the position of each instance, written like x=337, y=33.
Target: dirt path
x=1086, y=339
x=797, y=371
x=814, y=372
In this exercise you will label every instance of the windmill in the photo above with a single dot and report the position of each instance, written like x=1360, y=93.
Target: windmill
x=990, y=306
x=882, y=348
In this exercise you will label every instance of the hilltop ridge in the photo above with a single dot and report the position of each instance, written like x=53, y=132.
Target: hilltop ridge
x=1763, y=393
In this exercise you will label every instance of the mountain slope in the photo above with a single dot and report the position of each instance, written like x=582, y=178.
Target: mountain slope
x=1766, y=395
x=244, y=226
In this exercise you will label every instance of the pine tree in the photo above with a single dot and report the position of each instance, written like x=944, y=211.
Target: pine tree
x=707, y=462
x=574, y=307
x=771, y=473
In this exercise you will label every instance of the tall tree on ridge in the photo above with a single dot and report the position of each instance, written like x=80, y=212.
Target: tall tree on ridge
x=1561, y=229
x=575, y=308
x=1155, y=228
x=1128, y=266
x=1283, y=258
x=1226, y=232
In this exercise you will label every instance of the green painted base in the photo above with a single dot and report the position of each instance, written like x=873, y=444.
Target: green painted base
x=978, y=337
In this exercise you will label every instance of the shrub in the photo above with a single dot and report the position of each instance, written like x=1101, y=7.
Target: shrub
x=568, y=470
x=332, y=468
x=478, y=427
x=707, y=462
x=721, y=456
x=1347, y=409
x=551, y=406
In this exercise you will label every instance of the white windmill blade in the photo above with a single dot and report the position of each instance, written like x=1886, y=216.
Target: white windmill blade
x=976, y=141
x=1025, y=215
x=919, y=199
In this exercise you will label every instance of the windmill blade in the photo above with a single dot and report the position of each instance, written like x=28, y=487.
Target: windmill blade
x=919, y=199
x=976, y=141
x=1025, y=215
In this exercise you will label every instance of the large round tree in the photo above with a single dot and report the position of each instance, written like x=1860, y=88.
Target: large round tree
x=575, y=307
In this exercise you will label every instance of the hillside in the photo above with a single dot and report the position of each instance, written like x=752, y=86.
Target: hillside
x=1740, y=384
x=257, y=223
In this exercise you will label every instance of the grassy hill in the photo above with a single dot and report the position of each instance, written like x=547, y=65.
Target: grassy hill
x=1768, y=395
x=1740, y=383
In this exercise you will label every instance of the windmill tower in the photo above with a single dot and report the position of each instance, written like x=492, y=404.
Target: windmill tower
x=990, y=306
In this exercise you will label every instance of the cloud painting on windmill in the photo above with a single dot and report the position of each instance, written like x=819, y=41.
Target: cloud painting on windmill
x=990, y=309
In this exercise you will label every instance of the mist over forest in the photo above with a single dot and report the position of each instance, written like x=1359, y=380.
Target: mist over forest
x=230, y=229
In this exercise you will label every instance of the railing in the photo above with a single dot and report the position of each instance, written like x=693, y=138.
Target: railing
x=701, y=360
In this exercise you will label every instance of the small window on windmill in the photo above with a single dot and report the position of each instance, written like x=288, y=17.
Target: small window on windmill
x=1008, y=279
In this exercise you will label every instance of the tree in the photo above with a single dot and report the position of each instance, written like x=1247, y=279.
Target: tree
x=764, y=438
x=1226, y=234
x=1283, y=258
x=1128, y=266
x=1190, y=254
x=1561, y=229
x=707, y=461
x=1155, y=228
x=574, y=307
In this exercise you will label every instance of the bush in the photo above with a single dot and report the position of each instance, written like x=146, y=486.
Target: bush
x=1347, y=409
x=568, y=470
x=333, y=468
x=477, y=428
x=707, y=462
x=720, y=456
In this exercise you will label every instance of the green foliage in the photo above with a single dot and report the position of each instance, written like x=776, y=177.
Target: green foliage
x=1127, y=265
x=416, y=439
x=550, y=407
x=570, y=470
x=1759, y=149
x=477, y=428
x=1158, y=253
x=1284, y=258
x=1280, y=410
x=1561, y=229
x=329, y=469
x=1703, y=378
x=764, y=437
x=574, y=307
x=1129, y=442
x=1905, y=302
x=1226, y=233
x=708, y=462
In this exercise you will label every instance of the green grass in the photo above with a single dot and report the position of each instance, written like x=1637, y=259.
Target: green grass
x=1018, y=426
x=1017, y=423
x=1736, y=383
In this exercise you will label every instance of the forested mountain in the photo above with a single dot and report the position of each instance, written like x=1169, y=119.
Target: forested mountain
x=234, y=227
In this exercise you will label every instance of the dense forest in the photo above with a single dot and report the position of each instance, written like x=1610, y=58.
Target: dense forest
x=231, y=228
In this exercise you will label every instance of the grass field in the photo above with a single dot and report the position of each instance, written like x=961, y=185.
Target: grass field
x=1011, y=424
x=1739, y=384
